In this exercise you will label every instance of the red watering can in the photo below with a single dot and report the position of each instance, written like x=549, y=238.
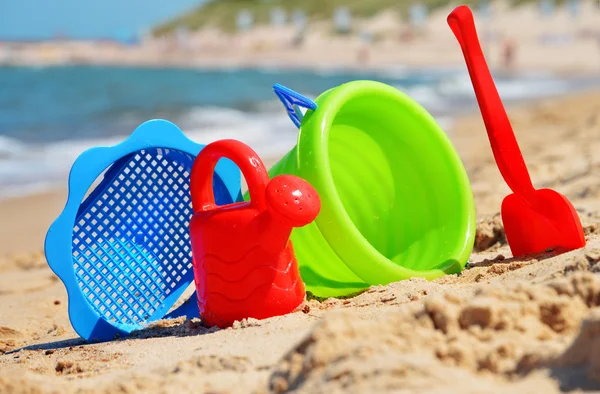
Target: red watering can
x=244, y=263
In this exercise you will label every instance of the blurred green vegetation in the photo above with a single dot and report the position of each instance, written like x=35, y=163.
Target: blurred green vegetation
x=223, y=13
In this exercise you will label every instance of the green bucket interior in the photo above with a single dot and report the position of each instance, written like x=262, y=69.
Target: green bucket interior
x=400, y=182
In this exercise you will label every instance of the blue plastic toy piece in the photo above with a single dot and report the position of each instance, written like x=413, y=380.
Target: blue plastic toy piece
x=292, y=102
x=124, y=253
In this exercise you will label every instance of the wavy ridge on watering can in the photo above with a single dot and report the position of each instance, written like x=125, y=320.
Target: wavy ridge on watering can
x=396, y=200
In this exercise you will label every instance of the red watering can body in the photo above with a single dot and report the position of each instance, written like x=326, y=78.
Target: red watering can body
x=244, y=263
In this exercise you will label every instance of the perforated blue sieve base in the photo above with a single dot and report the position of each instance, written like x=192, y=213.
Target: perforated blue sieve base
x=131, y=247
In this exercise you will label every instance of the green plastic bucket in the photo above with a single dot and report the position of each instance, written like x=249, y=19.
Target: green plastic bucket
x=396, y=200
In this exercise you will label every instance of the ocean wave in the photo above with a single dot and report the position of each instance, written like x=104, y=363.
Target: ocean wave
x=10, y=146
x=28, y=167
x=460, y=86
x=34, y=167
x=31, y=168
x=427, y=96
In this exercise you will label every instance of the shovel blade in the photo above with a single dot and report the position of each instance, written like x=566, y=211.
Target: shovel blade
x=552, y=223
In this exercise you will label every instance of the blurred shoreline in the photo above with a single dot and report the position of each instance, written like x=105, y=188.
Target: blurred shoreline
x=560, y=43
x=49, y=116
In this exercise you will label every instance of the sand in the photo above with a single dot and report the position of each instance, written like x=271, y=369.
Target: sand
x=526, y=325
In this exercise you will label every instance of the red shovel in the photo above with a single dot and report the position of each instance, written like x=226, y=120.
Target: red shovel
x=534, y=220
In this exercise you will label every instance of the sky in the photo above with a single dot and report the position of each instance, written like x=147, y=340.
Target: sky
x=41, y=19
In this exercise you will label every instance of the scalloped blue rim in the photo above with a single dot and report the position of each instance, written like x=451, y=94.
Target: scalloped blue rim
x=156, y=133
x=292, y=101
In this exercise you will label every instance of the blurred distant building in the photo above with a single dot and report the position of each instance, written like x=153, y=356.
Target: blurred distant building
x=342, y=20
x=278, y=17
x=418, y=14
x=244, y=21
x=574, y=7
x=485, y=10
x=299, y=19
x=182, y=38
x=546, y=7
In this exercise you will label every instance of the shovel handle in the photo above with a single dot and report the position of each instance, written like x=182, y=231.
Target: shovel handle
x=500, y=133
x=251, y=166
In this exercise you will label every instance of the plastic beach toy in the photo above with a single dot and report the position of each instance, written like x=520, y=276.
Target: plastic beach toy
x=123, y=250
x=396, y=200
x=244, y=263
x=534, y=220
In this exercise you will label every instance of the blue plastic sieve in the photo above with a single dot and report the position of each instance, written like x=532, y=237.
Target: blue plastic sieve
x=123, y=251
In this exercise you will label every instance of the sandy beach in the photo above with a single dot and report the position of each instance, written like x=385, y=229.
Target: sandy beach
x=525, y=325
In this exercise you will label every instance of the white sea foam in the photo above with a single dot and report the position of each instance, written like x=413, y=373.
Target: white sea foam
x=9, y=146
x=460, y=87
x=28, y=168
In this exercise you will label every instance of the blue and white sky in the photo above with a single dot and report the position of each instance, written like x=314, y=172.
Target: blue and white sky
x=41, y=19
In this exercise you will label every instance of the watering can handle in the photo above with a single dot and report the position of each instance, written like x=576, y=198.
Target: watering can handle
x=292, y=101
x=244, y=157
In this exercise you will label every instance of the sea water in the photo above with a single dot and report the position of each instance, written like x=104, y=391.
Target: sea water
x=48, y=116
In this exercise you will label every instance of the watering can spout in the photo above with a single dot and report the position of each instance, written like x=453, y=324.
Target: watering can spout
x=291, y=202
